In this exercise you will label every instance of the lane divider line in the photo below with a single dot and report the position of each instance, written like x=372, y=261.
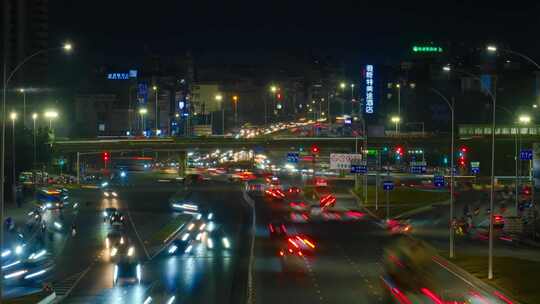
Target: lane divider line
x=250, y=289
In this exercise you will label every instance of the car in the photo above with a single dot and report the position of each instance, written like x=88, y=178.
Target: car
x=184, y=244
x=116, y=218
x=277, y=230
x=108, y=212
x=293, y=191
x=299, y=245
x=123, y=252
x=275, y=194
x=127, y=271
x=114, y=239
x=327, y=201
x=109, y=193
x=218, y=240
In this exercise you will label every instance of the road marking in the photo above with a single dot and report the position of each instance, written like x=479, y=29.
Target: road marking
x=66, y=286
x=137, y=234
x=250, y=290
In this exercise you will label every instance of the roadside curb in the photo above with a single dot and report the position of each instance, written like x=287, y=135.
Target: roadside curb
x=48, y=299
x=454, y=269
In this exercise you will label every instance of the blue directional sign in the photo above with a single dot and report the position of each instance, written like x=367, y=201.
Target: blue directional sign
x=526, y=154
x=475, y=167
x=358, y=169
x=388, y=185
x=418, y=167
x=293, y=157
x=438, y=181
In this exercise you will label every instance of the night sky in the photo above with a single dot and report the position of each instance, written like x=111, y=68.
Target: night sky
x=109, y=31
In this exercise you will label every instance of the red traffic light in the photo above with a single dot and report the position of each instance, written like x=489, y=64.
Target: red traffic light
x=463, y=149
x=278, y=95
x=105, y=156
x=315, y=149
x=399, y=150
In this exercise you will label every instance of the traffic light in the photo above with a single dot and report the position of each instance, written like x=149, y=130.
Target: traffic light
x=399, y=150
x=106, y=156
x=462, y=159
x=315, y=149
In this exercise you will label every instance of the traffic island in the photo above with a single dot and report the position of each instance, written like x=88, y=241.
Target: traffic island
x=401, y=200
x=513, y=276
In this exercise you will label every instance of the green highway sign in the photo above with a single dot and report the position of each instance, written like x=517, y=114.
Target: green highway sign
x=427, y=49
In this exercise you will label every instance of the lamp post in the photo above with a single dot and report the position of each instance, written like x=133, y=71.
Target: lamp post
x=396, y=120
x=6, y=78
x=34, y=117
x=156, y=115
x=23, y=92
x=142, y=112
x=343, y=85
x=219, y=99
x=13, y=117
x=51, y=114
x=522, y=120
x=493, y=96
x=352, y=99
x=235, y=102
x=451, y=106
x=398, y=86
x=494, y=49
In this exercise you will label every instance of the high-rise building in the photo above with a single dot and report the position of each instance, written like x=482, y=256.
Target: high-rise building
x=24, y=32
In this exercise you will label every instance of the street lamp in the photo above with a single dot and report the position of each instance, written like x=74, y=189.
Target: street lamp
x=492, y=190
x=23, y=92
x=155, y=88
x=495, y=49
x=51, y=114
x=524, y=119
x=396, y=120
x=342, y=85
x=273, y=89
x=219, y=99
x=13, y=117
x=142, y=112
x=491, y=48
x=451, y=106
x=235, y=101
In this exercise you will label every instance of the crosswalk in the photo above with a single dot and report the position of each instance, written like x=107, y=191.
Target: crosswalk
x=63, y=288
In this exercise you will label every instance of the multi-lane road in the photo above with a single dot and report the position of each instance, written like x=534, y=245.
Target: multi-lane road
x=345, y=266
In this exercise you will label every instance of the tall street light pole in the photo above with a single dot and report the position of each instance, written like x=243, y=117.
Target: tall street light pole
x=34, y=117
x=398, y=86
x=451, y=106
x=13, y=117
x=219, y=99
x=235, y=101
x=6, y=78
x=156, y=115
x=23, y=92
x=396, y=120
x=493, y=96
x=142, y=112
x=343, y=85
x=352, y=99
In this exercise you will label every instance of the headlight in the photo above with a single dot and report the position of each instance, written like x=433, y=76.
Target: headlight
x=48, y=205
x=106, y=194
x=131, y=251
x=225, y=242
x=114, y=194
x=172, y=249
x=114, y=251
x=122, y=240
x=18, y=250
x=210, y=243
x=104, y=213
x=107, y=243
